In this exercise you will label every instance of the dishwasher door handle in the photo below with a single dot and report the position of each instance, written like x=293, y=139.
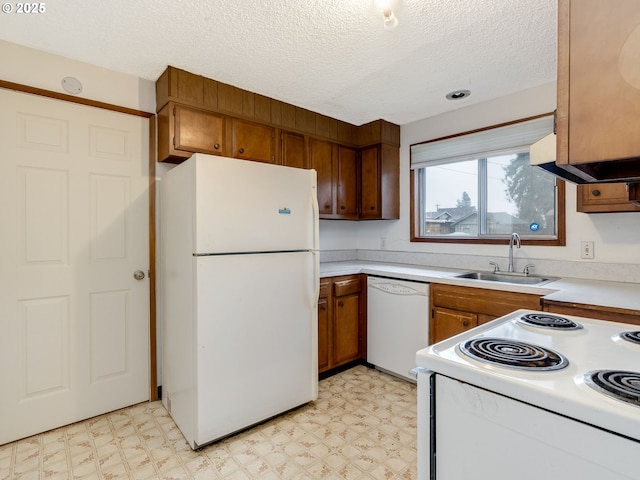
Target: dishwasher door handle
x=396, y=289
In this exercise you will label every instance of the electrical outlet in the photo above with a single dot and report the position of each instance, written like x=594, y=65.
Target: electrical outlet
x=586, y=249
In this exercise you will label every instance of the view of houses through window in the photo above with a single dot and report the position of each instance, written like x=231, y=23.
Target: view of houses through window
x=490, y=197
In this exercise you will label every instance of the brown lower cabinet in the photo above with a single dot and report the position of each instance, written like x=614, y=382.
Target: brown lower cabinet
x=455, y=309
x=611, y=314
x=341, y=321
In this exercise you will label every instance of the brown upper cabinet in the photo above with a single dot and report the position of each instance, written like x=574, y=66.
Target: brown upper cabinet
x=322, y=159
x=598, y=116
x=253, y=141
x=605, y=197
x=184, y=130
x=347, y=185
x=337, y=179
x=358, y=166
x=380, y=182
x=293, y=151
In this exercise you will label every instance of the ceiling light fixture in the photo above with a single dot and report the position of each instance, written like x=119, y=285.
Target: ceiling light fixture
x=390, y=21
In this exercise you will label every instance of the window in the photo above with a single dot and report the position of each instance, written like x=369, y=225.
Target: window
x=478, y=187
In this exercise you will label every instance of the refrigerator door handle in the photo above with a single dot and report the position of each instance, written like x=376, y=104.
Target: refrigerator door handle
x=316, y=238
x=316, y=216
x=316, y=278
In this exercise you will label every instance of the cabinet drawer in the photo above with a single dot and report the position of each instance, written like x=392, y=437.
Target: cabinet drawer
x=610, y=314
x=346, y=287
x=482, y=301
x=325, y=288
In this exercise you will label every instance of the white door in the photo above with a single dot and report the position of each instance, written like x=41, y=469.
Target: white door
x=74, y=213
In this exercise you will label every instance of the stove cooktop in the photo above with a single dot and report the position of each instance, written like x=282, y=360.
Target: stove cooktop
x=545, y=320
x=512, y=354
x=580, y=351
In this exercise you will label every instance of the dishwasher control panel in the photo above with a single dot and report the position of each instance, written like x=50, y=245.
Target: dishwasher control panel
x=396, y=288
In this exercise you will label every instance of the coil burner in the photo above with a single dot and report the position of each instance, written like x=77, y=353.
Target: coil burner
x=633, y=337
x=619, y=384
x=544, y=320
x=513, y=354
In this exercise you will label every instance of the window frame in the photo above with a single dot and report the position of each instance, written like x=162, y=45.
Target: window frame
x=415, y=202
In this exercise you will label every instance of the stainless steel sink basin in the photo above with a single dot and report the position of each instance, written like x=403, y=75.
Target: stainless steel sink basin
x=518, y=278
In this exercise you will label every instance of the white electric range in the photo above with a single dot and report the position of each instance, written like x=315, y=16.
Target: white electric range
x=531, y=395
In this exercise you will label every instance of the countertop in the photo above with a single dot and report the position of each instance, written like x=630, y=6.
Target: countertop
x=570, y=290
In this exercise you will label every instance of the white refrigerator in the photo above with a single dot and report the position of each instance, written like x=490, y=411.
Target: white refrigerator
x=239, y=275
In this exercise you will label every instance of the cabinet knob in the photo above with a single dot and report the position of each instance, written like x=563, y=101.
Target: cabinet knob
x=241, y=150
x=342, y=207
x=323, y=307
x=372, y=207
x=465, y=323
x=217, y=146
x=327, y=205
x=596, y=193
x=341, y=303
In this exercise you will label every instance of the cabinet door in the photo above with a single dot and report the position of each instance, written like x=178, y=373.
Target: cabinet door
x=198, y=130
x=347, y=195
x=380, y=182
x=598, y=80
x=323, y=334
x=321, y=157
x=604, y=197
x=346, y=315
x=253, y=141
x=446, y=323
x=293, y=151
x=370, y=183
x=324, y=325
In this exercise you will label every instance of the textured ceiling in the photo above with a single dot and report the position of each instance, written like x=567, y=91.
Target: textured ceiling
x=330, y=56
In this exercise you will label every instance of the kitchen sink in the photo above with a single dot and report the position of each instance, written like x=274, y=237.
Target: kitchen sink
x=519, y=278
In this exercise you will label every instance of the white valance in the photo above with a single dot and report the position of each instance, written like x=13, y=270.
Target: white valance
x=486, y=143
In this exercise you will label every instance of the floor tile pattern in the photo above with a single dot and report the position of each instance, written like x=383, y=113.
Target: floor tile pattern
x=362, y=426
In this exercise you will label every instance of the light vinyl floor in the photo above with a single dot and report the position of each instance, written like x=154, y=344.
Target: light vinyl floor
x=362, y=426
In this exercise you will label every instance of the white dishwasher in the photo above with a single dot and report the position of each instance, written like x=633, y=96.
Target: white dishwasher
x=397, y=323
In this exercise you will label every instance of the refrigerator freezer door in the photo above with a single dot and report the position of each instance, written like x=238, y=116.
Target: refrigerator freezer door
x=256, y=339
x=244, y=206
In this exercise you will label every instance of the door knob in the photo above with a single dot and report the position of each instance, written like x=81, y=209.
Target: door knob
x=138, y=275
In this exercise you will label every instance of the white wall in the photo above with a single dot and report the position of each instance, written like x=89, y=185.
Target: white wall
x=43, y=70
x=616, y=236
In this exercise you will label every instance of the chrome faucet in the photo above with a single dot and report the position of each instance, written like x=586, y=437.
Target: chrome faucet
x=515, y=238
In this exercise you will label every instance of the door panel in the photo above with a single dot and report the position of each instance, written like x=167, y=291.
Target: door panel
x=346, y=340
x=74, y=322
x=321, y=158
x=347, y=182
x=253, y=141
